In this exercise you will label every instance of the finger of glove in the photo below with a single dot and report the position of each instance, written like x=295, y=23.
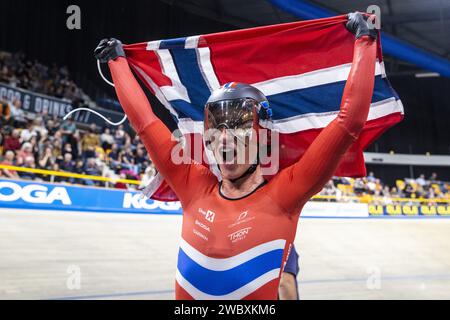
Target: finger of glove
x=353, y=21
x=115, y=41
x=98, y=50
x=104, y=54
x=103, y=41
x=101, y=46
x=356, y=22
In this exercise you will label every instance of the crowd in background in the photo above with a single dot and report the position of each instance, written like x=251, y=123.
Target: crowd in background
x=47, y=143
x=19, y=72
x=372, y=190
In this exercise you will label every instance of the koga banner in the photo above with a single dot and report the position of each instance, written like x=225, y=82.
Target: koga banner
x=46, y=196
x=41, y=104
x=51, y=196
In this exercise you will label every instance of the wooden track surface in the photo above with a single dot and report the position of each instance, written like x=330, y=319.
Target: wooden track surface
x=134, y=257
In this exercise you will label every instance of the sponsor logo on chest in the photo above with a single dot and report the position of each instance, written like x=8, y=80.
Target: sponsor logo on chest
x=239, y=235
x=209, y=215
x=203, y=226
x=199, y=234
x=242, y=218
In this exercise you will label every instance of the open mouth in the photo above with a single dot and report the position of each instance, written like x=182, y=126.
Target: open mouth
x=228, y=155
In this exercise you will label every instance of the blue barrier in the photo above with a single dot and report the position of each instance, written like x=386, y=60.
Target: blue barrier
x=19, y=194
x=46, y=196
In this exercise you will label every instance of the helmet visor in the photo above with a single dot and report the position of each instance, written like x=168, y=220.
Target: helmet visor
x=236, y=116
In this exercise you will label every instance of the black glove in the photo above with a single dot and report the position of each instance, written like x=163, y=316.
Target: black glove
x=109, y=49
x=357, y=24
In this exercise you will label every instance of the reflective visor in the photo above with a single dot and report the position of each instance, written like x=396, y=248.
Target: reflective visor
x=231, y=114
x=235, y=115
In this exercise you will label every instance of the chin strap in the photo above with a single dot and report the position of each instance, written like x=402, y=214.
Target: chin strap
x=249, y=171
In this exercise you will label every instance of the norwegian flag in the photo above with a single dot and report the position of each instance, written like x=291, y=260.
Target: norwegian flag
x=301, y=67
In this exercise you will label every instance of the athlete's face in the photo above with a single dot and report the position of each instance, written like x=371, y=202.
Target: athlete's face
x=235, y=152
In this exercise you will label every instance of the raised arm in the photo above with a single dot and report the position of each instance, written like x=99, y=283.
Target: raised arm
x=153, y=133
x=308, y=176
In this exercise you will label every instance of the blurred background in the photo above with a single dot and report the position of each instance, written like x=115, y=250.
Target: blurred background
x=401, y=233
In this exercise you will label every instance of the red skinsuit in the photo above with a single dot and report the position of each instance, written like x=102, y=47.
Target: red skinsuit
x=236, y=249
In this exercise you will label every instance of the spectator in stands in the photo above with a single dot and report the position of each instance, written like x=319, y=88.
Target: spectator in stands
x=79, y=168
x=57, y=147
x=359, y=187
x=140, y=157
x=68, y=149
x=128, y=157
x=136, y=143
x=430, y=195
x=17, y=114
x=120, y=161
x=371, y=177
x=433, y=178
x=67, y=164
x=51, y=127
x=27, y=133
x=421, y=180
x=395, y=193
x=371, y=185
x=12, y=141
x=29, y=162
x=378, y=185
x=409, y=190
x=25, y=151
x=5, y=110
x=329, y=190
x=120, y=136
x=444, y=187
x=130, y=174
x=9, y=161
x=106, y=139
x=47, y=159
x=377, y=198
x=68, y=130
x=148, y=176
x=35, y=146
x=91, y=168
x=386, y=194
x=90, y=142
x=121, y=185
x=56, y=178
x=39, y=127
x=114, y=153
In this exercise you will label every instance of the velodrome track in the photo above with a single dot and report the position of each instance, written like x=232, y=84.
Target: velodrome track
x=126, y=256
